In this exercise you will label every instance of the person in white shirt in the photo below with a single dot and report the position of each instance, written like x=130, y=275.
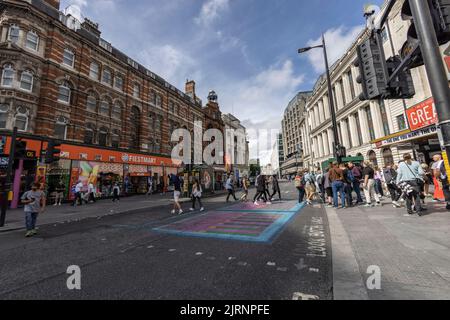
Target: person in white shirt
x=91, y=192
x=78, y=195
x=197, y=195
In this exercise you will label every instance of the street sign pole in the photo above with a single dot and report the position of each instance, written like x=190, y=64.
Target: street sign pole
x=435, y=67
x=7, y=185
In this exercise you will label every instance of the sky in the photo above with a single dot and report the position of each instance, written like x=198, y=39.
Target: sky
x=245, y=50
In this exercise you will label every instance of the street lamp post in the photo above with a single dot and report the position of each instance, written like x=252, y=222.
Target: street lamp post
x=337, y=145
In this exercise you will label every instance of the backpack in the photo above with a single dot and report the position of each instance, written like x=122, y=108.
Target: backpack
x=350, y=176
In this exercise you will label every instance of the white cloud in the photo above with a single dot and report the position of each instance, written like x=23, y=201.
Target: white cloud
x=259, y=103
x=338, y=40
x=211, y=11
x=171, y=63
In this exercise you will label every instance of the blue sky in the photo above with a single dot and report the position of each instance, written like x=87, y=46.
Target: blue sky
x=246, y=50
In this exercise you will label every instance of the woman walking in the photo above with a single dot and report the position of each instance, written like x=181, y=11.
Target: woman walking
x=197, y=195
x=275, y=187
x=260, y=189
x=245, y=186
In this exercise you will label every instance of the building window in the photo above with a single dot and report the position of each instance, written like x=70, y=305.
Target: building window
x=136, y=91
x=152, y=98
x=118, y=82
x=401, y=123
x=351, y=84
x=21, y=122
x=94, y=70
x=106, y=76
x=69, y=58
x=61, y=129
x=384, y=118
x=26, y=81
x=103, y=137
x=4, y=108
x=115, y=139
x=91, y=104
x=358, y=128
x=64, y=93
x=14, y=33
x=117, y=111
x=32, y=41
x=8, y=76
x=158, y=101
x=89, y=135
x=172, y=107
x=104, y=108
x=370, y=122
x=384, y=35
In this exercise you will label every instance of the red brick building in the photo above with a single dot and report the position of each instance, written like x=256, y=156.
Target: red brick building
x=60, y=79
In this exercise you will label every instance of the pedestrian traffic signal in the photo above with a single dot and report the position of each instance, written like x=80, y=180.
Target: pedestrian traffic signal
x=373, y=70
x=20, y=149
x=53, y=151
x=440, y=13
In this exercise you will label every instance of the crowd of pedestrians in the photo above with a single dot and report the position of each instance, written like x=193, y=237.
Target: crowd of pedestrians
x=343, y=185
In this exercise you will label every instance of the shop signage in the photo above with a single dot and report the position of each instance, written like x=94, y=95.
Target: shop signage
x=408, y=136
x=137, y=159
x=422, y=115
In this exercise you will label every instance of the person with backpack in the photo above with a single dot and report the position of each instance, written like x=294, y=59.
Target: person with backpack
x=299, y=182
x=410, y=175
x=319, y=184
x=390, y=177
x=260, y=189
x=197, y=195
x=356, y=182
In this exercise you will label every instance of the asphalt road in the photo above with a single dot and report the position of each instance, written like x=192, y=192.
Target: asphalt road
x=123, y=257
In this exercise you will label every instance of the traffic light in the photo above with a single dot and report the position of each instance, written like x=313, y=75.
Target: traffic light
x=402, y=86
x=53, y=151
x=20, y=149
x=372, y=69
x=440, y=13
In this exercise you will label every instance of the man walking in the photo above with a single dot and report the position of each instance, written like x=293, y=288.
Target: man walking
x=78, y=195
x=369, y=185
x=310, y=187
x=300, y=185
x=390, y=176
x=230, y=187
x=410, y=176
x=59, y=193
x=34, y=201
x=91, y=192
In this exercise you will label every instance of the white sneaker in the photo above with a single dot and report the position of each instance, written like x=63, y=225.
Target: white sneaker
x=180, y=212
x=396, y=204
x=202, y=209
x=191, y=209
x=55, y=204
x=173, y=211
x=268, y=202
x=256, y=203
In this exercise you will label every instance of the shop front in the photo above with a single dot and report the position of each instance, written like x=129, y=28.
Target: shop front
x=102, y=168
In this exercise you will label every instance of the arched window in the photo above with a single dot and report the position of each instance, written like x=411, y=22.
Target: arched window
x=135, y=128
x=61, y=128
x=32, y=41
x=115, y=138
x=89, y=134
x=105, y=107
x=21, y=121
x=64, y=93
x=26, y=81
x=388, y=157
x=117, y=110
x=94, y=70
x=91, y=104
x=4, y=111
x=8, y=76
x=103, y=137
x=372, y=157
x=13, y=34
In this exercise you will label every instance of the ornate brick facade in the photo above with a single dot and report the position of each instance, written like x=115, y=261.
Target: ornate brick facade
x=83, y=89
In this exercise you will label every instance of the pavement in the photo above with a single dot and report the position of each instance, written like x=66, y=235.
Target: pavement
x=411, y=253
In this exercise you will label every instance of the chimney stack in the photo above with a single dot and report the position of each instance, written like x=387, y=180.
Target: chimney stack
x=190, y=89
x=54, y=3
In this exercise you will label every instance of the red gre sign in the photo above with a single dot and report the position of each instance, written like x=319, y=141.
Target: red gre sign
x=422, y=115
